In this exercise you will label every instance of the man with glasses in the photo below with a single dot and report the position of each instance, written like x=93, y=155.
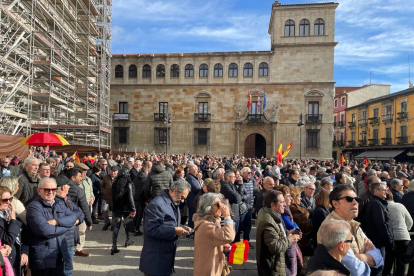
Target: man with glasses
x=229, y=191
x=48, y=246
x=335, y=243
x=377, y=217
x=308, y=201
x=6, y=169
x=363, y=253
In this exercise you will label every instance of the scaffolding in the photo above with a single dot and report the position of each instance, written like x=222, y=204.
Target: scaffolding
x=55, y=69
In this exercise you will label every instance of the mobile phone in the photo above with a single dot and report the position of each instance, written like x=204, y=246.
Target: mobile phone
x=296, y=232
x=191, y=231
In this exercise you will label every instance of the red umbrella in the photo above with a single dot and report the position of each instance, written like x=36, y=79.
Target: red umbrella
x=44, y=139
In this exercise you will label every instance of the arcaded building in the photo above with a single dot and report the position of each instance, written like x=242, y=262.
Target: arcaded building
x=197, y=102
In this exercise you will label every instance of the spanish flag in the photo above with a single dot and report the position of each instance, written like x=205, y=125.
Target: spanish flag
x=279, y=154
x=286, y=150
x=76, y=156
x=366, y=162
x=249, y=100
x=342, y=159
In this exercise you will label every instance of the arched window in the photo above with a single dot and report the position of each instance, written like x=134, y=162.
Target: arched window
x=146, y=71
x=132, y=72
x=290, y=28
x=248, y=70
x=119, y=71
x=160, y=71
x=175, y=71
x=263, y=69
x=319, y=27
x=304, y=27
x=233, y=70
x=189, y=71
x=218, y=70
x=203, y=70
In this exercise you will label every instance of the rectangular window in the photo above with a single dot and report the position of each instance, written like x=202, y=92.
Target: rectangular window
x=312, y=138
x=203, y=108
x=364, y=135
x=334, y=119
x=163, y=108
x=352, y=136
x=313, y=108
x=364, y=114
x=121, y=135
x=403, y=131
x=123, y=107
x=388, y=110
x=343, y=101
x=342, y=118
x=162, y=134
x=403, y=106
x=201, y=137
x=375, y=113
x=336, y=103
x=253, y=109
x=375, y=134
x=388, y=133
x=353, y=117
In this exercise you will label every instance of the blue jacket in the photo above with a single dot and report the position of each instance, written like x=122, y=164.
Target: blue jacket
x=161, y=217
x=195, y=188
x=47, y=241
x=397, y=195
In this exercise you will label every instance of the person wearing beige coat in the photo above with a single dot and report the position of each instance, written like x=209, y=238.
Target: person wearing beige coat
x=211, y=240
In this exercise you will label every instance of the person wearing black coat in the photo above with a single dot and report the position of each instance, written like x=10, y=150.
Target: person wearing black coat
x=408, y=202
x=77, y=195
x=123, y=206
x=139, y=198
x=319, y=215
x=96, y=186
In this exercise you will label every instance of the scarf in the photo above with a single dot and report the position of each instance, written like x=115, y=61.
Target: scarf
x=5, y=215
x=8, y=269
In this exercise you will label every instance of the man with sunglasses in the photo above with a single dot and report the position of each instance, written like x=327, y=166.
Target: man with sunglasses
x=363, y=253
x=48, y=221
x=6, y=169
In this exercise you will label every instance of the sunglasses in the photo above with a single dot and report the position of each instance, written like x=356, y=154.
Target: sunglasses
x=47, y=190
x=349, y=241
x=5, y=200
x=350, y=198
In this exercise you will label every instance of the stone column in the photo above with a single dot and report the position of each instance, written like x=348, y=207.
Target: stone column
x=210, y=72
x=139, y=70
x=274, y=138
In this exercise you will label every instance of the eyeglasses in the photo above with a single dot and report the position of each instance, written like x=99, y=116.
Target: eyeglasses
x=5, y=200
x=384, y=190
x=349, y=241
x=350, y=198
x=249, y=172
x=183, y=197
x=104, y=164
x=311, y=189
x=4, y=162
x=47, y=190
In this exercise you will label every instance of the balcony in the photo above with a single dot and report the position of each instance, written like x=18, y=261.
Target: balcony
x=373, y=120
x=121, y=116
x=402, y=140
x=386, y=141
x=362, y=122
x=202, y=117
x=362, y=143
x=387, y=118
x=402, y=115
x=351, y=124
x=255, y=118
x=351, y=143
x=341, y=124
x=338, y=143
x=373, y=142
x=159, y=116
x=313, y=118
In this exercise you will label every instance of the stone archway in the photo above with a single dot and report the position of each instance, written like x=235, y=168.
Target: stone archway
x=255, y=146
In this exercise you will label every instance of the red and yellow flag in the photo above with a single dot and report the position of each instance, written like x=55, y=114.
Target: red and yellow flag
x=286, y=150
x=76, y=156
x=342, y=159
x=366, y=162
x=279, y=154
x=249, y=100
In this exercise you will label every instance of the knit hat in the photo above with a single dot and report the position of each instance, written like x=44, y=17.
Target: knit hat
x=61, y=180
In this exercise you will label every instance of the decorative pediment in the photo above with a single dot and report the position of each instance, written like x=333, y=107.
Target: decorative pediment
x=203, y=94
x=314, y=93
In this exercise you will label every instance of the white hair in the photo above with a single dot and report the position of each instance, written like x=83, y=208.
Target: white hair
x=334, y=231
x=205, y=202
x=29, y=160
x=244, y=170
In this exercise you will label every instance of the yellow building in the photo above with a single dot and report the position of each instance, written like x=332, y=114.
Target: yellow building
x=382, y=128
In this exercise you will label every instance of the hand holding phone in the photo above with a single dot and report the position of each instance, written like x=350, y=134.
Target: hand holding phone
x=296, y=231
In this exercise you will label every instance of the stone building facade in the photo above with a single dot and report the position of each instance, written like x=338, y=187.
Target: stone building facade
x=206, y=94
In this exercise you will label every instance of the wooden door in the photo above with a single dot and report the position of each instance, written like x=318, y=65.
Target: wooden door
x=249, y=146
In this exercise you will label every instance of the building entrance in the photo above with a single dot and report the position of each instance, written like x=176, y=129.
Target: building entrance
x=255, y=146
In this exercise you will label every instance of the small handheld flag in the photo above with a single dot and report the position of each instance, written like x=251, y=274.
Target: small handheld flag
x=279, y=153
x=286, y=150
x=76, y=156
x=342, y=159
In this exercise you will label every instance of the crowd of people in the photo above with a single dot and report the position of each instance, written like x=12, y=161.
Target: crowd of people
x=312, y=216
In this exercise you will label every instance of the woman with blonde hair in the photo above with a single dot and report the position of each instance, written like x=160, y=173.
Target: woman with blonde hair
x=12, y=183
x=211, y=240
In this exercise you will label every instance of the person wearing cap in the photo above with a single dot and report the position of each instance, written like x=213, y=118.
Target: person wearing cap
x=77, y=195
x=86, y=184
x=72, y=235
x=106, y=192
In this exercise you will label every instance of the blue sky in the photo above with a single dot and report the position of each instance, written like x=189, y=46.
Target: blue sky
x=374, y=35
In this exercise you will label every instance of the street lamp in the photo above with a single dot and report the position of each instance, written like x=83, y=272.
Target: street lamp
x=167, y=122
x=300, y=124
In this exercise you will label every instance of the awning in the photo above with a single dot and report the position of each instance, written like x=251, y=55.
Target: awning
x=379, y=154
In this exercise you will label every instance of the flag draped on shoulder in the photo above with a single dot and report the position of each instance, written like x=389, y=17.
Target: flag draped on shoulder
x=279, y=154
x=286, y=150
x=342, y=159
x=76, y=156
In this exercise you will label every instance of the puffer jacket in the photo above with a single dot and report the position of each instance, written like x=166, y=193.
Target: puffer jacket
x=47, y=241
x=27, y=188
x=408, y=202
x=157, y=181
x=77, y=195
x=271, y=243
x=106, y=188
x=125, y=203
x=138, y=183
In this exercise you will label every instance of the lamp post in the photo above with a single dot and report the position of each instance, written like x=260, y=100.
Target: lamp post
x=300, y=124
x=167, y=122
